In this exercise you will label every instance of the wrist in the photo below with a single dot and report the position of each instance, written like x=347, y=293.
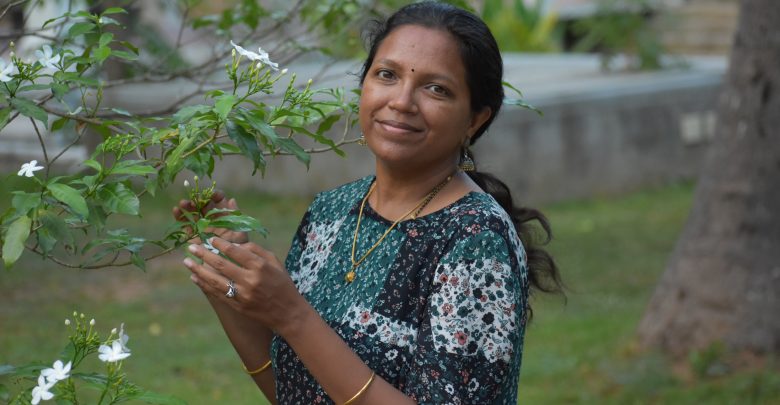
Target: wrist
x=297, y=320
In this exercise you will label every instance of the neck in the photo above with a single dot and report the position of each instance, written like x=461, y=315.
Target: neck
x=396, y=192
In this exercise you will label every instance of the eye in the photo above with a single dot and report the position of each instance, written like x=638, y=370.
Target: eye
x=439, y=90
x=385, y=74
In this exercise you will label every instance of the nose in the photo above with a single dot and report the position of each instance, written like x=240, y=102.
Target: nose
x=403, y=99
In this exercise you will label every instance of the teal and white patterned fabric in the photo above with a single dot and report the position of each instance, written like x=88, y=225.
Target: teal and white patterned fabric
x=439, y=309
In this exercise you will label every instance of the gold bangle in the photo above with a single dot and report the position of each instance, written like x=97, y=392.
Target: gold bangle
x=259, y=370
x=362, y=390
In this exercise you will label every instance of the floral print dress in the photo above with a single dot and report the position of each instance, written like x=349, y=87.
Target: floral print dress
x=438, y=309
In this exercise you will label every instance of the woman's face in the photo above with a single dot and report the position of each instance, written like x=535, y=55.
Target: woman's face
x=415, y=109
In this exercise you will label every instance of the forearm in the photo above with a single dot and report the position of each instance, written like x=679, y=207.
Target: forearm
x=252, y=343
x=337, y=368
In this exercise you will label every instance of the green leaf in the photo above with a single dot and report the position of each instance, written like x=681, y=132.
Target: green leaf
x=59, y=123
x=327, y=123
x=23, y=202
x=118, y=198
x=4, y=115
x=59, y=90
x=185, y=114
x=138, y=261
x=124, y=55
x=93, y=164
x=32, y=87
x=289, y=145
x=105, y=39
x=239, y=223
x=30, y=109
x=523, y=104
x=109, y=21
x=129, y=46
x=56, y=227
x=101, y=53
x=71, y=197
x=223, y=105
x=80, y=29
x=13, y=245
x=114, y=10
x=121, y=111
x=133, y=167
x=247, y=143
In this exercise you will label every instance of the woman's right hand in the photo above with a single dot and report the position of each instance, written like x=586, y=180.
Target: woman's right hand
x=218, y=200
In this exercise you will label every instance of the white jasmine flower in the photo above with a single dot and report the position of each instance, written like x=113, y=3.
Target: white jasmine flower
x=92, y=322
x=123, y=338
x=47, y=59
x=5, y=71
x=58, y=372
x=261, y=56
x=207, y=244
x=28, y=169
x=41, y=392
x=186, y=183
x=113, y=353
x=67, y=322
x=284, y=71
x=113, y=331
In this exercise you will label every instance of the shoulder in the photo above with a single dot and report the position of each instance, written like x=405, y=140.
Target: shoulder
x=478, y=219
x=341, y=199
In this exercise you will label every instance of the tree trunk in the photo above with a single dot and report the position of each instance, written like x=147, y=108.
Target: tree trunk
x=722, y=283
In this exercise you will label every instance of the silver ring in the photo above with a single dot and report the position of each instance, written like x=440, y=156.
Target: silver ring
x=231, y=292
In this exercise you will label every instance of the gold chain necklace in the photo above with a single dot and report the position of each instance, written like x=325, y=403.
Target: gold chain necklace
x=414, y=212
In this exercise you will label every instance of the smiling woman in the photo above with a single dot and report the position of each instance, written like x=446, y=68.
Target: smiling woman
x=408, y=286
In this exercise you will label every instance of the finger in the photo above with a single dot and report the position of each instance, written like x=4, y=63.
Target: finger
x=187, y=205
x=220, y=264
x=209, y=281
x=247, y=255
x=217, y=196
x=233, y=204
x=260, y=251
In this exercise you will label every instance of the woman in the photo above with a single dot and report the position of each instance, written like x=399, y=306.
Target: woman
x=410, y=286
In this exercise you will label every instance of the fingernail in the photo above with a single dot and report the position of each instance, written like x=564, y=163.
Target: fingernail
x=188, y=262
x=192, y=248
x=194, y=278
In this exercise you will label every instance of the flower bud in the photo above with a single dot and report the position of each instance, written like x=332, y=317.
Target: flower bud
x=309, y=82
x=196, y=178
x=186, y=183
x=113, y=331
x=75, y=314
x=67, y=322
x=81, y=316
x=284, y=71
x=92, y=322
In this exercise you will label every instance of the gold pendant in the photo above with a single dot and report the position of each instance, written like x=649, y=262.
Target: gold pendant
x=350, y=277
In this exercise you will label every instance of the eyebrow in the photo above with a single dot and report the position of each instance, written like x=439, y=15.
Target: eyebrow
x=435, y=76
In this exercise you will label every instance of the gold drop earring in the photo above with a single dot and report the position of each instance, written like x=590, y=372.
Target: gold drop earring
x=362, y=140
x=466, y=162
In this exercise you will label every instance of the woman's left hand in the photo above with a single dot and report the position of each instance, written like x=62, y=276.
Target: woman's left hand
x=263, y=289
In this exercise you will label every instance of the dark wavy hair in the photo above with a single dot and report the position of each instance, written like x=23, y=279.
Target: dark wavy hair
x=484, y=75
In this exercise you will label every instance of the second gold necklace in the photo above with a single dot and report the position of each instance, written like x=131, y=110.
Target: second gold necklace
x=414, y=212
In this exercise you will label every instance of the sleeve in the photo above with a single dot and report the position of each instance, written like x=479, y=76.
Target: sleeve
x=469, y=346
x=292, y=262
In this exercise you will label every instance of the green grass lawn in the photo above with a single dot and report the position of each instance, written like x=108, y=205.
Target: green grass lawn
x=611, y=252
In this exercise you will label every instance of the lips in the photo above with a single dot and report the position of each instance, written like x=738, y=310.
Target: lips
x=398, y=126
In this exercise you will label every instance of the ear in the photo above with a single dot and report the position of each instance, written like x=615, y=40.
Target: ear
x=478, y=119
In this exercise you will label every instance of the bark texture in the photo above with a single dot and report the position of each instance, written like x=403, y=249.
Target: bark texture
x=722, y=283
